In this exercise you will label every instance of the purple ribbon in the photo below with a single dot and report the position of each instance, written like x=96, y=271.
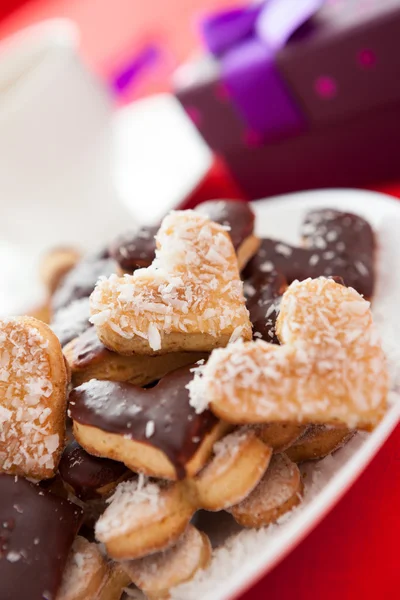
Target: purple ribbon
x=132, y=70
x=246, y=41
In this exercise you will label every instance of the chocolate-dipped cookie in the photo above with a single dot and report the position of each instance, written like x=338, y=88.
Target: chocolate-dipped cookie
x=154, y=431
x=337, y=243
x=136, y=249
x=239, y=218
x=89, y=477
x=89, y=359
x=37, y=532
x=263, y=294
x=71, y=321
x=79, y=282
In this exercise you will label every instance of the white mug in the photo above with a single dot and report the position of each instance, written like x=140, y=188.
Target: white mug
x=55, y=142
x=56, y=183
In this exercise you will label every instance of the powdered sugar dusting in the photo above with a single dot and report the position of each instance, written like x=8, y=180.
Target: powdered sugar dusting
x=193, y=285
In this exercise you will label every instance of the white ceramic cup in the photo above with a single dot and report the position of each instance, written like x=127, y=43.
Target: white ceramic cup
x=56, y=184
x=55, y=143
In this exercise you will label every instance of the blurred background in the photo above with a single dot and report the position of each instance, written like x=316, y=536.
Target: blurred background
x=115, y=111
x=279, y=101
x=139, y=107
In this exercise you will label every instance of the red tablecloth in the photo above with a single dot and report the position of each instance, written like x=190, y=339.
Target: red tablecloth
x=352, y=553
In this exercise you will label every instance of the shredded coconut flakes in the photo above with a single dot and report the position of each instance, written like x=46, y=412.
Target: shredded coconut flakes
x=192, y=285
x=239, y=550
x=131, y=501
x=27, y=438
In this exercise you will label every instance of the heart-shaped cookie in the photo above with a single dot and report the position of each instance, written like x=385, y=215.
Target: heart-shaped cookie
x=190, y=298
x=330, y=369
x=136, y=248
x=334, y=243
x=33, y=382
x=153, y=431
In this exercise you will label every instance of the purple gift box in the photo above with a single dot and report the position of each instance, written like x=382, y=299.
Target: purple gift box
x=298, y=94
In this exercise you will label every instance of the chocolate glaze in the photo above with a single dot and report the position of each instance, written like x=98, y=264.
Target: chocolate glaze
x=332, y=252
x=126, y=410
x=337, y=279
x=263, y=297
x=36, y=535
x=135, y=249
x=80, y=281
x=347, y=235
x=332, y=227
x=236, y=214
x=69, y=322
x=85, y=473
x=88, y=349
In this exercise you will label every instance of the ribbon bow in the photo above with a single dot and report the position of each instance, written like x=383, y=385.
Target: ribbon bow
x=246, y=41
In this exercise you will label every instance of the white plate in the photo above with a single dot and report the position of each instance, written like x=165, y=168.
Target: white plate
x=251, y=556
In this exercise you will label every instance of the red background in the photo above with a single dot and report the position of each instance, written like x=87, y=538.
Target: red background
x=352, y=554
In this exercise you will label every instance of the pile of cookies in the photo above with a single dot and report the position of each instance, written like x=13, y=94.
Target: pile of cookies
x=187, y=366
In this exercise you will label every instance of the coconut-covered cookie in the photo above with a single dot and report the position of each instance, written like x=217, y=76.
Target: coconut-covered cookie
x=189, y=298
x=33, y=395
x=330, y=369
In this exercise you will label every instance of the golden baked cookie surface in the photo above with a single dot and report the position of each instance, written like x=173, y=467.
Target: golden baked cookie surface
x=330, y=368
x=191, y=297
x=33, y=382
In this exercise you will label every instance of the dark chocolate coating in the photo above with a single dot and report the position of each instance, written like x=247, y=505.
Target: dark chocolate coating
x=238, y=215
x=81, y=280
x=85, y=473
x=337, y=279
x=263, y=297
x=36, y=535
x=88, y=349
x=126, y=410
x=344, y=247
x=70, y=335
x=352, y=240
x=332, y=227
x=135, y=249
x=69, y=322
